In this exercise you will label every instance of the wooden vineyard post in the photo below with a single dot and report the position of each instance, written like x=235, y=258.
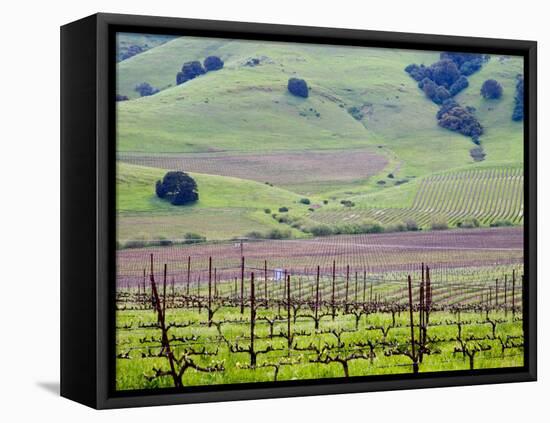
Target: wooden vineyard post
x=210, y=291
x=347, y=290
x=413, y=355
x=364, y=285
x=496, y=292
x=164, y=291
x=144, y=289
x=333, y=299
x=289, y=339
x=355, y=291
x=199, y=293
x=188, y=274
x=427, y=305
x=506, y=294
x=317, y=299
x=173, y=291
x=252, y=321
x=421, y=316
x=215, y=282
x=513, y=292
x=370, y=294
x=242, y=284
x=265, y=285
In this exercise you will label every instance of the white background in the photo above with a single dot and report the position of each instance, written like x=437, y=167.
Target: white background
x=29, y=240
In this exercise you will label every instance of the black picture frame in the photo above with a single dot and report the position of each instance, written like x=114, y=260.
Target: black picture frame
x=88, y=223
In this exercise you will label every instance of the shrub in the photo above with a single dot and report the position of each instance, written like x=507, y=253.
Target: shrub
x=136, y=243
x=356, y=113
x=325, y=201
x=438, y=94
x=468, y=223
x=396, y=227
x=444, y=72
x=283, y=209
x=178, y=187
x=305, y=201
x=467, y=63
x=298, y=87
x=517, y=114
x=145, y=89
x=491, y=90
x=267, y=211
x=460, y=84
x=439, y=223
x=279, y=234
x=478, y=154
x=213, y=63
x=454, y=117
x=130, y=51
x=411, y=225
x=164, y=242
x=120, y=97
x=347, y=203
x=500, y=223
x=418, y=73
x=254, y=235
x=321, y=230
x=189, y=70
x=193, y=238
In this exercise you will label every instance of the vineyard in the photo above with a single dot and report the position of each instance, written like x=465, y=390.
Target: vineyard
x=201, y=319
x=488, y=195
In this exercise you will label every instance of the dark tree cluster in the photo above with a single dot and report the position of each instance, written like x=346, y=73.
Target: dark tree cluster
x=130, y=51
x=467, y=63
x=177, y=187
x=120, y=97
x=213, y=63
x=491, y=90
x=439, y=81
x=517, y=114
x=443, y=80
x=190, y=70
x=298, y=87
x=460, y=119
x=145, y=89
x=446, y=77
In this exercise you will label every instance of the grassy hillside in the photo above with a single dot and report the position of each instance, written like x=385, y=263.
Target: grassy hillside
x=361, y=102
x=126, y=41
x=238, y=203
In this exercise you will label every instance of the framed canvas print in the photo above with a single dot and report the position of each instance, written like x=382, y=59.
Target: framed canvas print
x=255, y=211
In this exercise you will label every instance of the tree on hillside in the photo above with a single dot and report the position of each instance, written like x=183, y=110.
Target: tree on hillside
x=212, y=63
x=517, y=114
x=460, y=119
x=145, y=89
x=177, y=187
x=189, y=70
x=445, y=72
x=298, y=87
x=491, y=90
